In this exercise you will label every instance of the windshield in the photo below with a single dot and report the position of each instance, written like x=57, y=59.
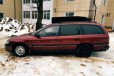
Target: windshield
x=33, y=33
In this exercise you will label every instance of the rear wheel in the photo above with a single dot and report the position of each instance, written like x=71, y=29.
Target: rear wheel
x=84, y=50
x=20, y=50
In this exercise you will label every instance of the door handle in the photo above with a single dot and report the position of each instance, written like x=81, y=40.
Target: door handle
x=77, y=39
x=54, y=40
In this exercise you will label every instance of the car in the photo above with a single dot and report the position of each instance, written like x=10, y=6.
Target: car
x=78, y=35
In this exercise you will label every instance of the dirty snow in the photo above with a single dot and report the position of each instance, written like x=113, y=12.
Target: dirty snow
x=99, y=64
x=54, y=66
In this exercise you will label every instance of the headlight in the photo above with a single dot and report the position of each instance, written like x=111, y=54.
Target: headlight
x=7, y=42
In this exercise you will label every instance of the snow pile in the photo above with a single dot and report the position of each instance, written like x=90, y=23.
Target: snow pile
x=11, y=27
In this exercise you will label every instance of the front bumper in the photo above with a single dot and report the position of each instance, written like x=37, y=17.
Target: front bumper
x=8, y=47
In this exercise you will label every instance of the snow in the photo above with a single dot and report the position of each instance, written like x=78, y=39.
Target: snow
x=99, y=64
x=55, y=66
x=12, y=27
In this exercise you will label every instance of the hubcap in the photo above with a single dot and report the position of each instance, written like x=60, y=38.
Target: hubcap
x=20, y=50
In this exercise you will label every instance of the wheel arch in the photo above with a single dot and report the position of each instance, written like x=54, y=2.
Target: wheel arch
x=84, y=50
x=85, y=44
x=20, y=43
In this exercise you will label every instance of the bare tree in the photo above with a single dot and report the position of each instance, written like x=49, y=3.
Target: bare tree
x=40, y=13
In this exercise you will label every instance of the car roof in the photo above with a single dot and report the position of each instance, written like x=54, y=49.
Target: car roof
x=67, y=23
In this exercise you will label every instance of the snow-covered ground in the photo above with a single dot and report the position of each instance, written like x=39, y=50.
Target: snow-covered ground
x=99, y=64
x=55, y=66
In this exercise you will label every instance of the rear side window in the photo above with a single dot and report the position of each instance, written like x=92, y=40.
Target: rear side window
x=69, y=30
x=92, y=29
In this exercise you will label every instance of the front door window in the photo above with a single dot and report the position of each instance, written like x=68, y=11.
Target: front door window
x=50, y=31
x=48, y=40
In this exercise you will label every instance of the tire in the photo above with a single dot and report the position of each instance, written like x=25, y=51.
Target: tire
x=20, y=50
x=84, y=50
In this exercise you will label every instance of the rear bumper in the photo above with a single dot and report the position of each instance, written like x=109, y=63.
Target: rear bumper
x=101, y=47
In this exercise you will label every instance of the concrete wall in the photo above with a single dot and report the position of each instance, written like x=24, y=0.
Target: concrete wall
x=11, y=10
x=110, y=19
x=79, y=7
x=101, y=10
x=18, y=9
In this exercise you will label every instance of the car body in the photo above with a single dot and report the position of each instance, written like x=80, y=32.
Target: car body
x=82, y=38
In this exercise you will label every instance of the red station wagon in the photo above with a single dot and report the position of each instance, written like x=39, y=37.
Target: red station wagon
x=79, y=37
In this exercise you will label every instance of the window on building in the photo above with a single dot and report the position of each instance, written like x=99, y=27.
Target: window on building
x=105, y=2
x=46, y=0
x=108, y=14
x=33, y=1
x=102, y=19
x=26, y=1
x=26, y=14
x=46, y=14
x=69, y=14
x=1, y=1
x=34, y=14
x=69, y=0
x=1, y=15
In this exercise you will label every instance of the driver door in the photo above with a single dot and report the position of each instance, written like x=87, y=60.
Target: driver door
x=48, y=39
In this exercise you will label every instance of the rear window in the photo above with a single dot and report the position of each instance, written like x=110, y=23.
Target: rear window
x=92, y=29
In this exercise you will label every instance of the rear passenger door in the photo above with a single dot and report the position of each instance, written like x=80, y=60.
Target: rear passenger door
x=69, y=37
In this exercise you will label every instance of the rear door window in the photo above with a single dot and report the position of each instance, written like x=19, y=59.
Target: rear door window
x=69, y=30
x=92, y=29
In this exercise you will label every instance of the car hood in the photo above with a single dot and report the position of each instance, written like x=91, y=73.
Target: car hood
x=22, y=37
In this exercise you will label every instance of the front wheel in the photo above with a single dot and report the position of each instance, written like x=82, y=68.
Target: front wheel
x=84, y=50
x=20, y=50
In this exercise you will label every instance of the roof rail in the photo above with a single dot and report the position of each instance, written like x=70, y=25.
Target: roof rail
x=70, y=19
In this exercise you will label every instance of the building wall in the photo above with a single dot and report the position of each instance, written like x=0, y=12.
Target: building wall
x=18, y=9
x=101, y=10
x=79, y=7
x=47, y=5
x=8, y=11
x=8, y=8
x=110, y=18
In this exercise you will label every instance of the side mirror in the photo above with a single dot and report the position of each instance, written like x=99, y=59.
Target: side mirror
x=37, y=35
